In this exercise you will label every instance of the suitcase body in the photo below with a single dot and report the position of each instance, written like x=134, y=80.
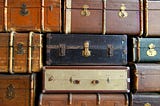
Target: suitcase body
x=145, y=77
x=75, y=79
x=77, y=49
x=83, y=100
x=17, y=90
x=152, y=8
x=4, y=54
x=102, y=16
x=51, y=15
x=149, y=99
x=23, y=15
x=22, y=52
x=146, y=50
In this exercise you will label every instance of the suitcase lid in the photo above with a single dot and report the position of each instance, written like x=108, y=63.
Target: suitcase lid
x=149, y=42
x=15, y=81
x=80, y=4
x=153, y=5
x=24, y=3
x=124, y=4
x=4, y=39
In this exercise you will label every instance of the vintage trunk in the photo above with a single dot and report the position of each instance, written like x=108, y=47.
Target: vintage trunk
x=124, y=17
x=102, y=16
x=146, y=50
x=4, y=52
x=142, y=99
x=75, y=79
x=2, y=8
x=23, y=15
x=17, y=90
x=83, y=100
x=145, y=77
x=77, y=49
x=21, y=52
x=152, y=11
x=51, y=15
x=83, y=16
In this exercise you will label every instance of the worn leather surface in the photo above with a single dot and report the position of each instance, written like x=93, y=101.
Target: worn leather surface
x=16, y=90
x=4, y=52
x=142, y=99
x=145, y=77
x=104, y=49
x=144, y=47
x=83, y=100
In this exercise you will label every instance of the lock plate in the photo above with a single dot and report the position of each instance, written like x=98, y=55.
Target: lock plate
x=151, y=51
x=123, y=13
x=24, y=11
x=10, y=94
x=85, y=11
x=86, y=52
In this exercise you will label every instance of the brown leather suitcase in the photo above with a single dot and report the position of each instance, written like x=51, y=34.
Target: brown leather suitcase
x=83, y=100
x=103, y=16
x=22, y=52
x=51, y=15
x=145, y=99
x=61, y=79
x=2, y=8
x=17, y=90
x=145, y=77
x=24, y=15
x=152, y=11
x=4, y=51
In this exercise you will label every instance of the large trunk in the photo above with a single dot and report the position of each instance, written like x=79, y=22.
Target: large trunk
x=86, y=79
x=83, y=100
x=74, y=49
x=17, y=90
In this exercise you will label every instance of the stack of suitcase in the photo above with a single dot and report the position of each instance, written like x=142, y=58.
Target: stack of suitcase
x=79, y=53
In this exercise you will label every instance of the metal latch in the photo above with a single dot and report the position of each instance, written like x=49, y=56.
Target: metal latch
x=85, y=11
x=151, y=51
x=10, y=94
x=123, y=13
x=20, y=49
x=86, y=52
x=62, y=50
x=24, y=10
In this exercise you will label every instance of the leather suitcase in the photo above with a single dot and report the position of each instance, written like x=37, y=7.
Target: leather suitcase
x=152, y=11
x=60, y=79
x=83, y=100
x=145, y=77
x=17, y=90
x=23, y=15
x=2, y=8
x=51, y=15
x=146, y=50
x=22, y=52
x=78, y=49
x=102, y=16
x=4, y=54
x=145, y=99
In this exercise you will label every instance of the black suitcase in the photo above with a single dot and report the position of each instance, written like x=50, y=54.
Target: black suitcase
x=77, y=49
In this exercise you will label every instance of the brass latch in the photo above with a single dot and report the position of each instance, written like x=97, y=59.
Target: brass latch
x=10, y=94
x=20, y=49
x=86, y=52
x=151, y=51
x=147, y=104
x=122, y=12
x=85, y=11
x=24, y=10
x=62, y=50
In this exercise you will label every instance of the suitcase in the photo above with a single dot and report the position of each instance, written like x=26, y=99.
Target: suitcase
x=23, y=15
x=145, y=99
x=51, y=15
x=2, y=8
x=38, y=15
x=152, y=11
x=22, y=52
x=83, y=100
x=78, y=49
x=145, y=77
x=17, y=90
x=103, y=17
x=146, y=50
x=61, y=79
